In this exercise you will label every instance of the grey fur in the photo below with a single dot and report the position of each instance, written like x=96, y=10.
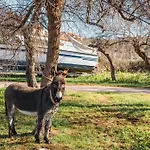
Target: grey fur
x=34, y=100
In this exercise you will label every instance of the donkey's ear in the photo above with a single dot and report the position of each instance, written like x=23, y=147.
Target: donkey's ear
x=53, y=71
x=65, y=72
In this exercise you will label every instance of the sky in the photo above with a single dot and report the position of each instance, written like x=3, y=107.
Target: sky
x=88, y=31
x=81, y=29
x=78, y=28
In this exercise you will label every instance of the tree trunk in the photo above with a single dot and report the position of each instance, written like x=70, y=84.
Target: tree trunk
x=141, y=53
x=112, y=68
x=30, y=45
x=30, y=57
x=54, y=10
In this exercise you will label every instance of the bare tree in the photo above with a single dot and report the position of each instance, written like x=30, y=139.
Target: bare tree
x=30, y=56
x=102, y=45
x=140, y=41
x=137, y=44
x=98, y=13
x=15, y=22
x=29, y=35
x=112, y=68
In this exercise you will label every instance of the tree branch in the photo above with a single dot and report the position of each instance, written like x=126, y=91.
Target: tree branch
x=26, y=17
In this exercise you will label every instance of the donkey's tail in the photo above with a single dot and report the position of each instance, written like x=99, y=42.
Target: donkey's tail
x=6, y=110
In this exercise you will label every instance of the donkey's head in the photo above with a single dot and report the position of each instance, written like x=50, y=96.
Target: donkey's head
x=58, y=86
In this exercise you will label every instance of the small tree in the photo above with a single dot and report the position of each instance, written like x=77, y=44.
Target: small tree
x=15, y=22
x=30, y=42
x=139, y=44
x=137, y=35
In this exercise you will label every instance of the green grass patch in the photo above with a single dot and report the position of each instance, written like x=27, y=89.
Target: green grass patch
x=123, y=79
x=17, y=79
x=87, y=121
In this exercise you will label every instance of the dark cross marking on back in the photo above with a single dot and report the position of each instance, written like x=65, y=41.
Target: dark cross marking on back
x=43, y=103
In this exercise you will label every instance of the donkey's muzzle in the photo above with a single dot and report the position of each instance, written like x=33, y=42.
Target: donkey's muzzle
x=58, y=99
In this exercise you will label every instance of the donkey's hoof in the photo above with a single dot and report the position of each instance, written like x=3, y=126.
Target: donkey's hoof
x=37, y=141
x=47, y=141
x=10, y=134
x=14, y=133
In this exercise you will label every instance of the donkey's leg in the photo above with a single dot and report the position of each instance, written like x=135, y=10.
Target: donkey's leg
x=10, y=116
x=33, y=131
x=47, y=124
x=13, y=127
x=38, y=128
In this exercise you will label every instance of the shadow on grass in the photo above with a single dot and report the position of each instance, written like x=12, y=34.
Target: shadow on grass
x=131, y=112
x=109, y=108
x=4, y=136
x=19, y=139
x=13, y=143
x=22, y=141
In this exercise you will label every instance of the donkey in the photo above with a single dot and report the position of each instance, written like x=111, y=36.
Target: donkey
x=43, y=103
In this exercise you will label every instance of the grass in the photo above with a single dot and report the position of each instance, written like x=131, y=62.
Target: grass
x=87, y=121
x=17, y=79
x=125, y=79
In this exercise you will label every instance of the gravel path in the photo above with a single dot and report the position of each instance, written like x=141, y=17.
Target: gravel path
x=85, y=88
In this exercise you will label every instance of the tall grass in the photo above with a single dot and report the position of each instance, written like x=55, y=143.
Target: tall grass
x=123, y=79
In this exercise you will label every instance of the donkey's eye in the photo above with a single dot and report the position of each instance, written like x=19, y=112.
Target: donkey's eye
x=63, y=85
x=54, y=85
